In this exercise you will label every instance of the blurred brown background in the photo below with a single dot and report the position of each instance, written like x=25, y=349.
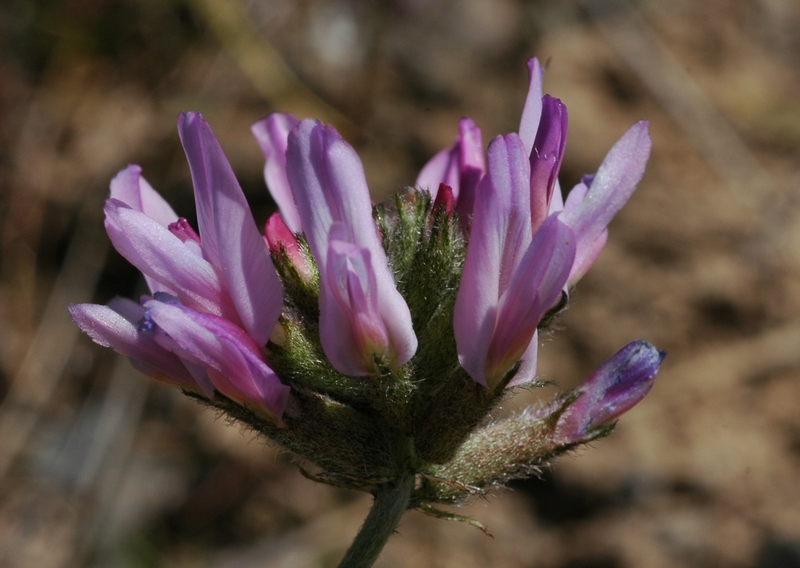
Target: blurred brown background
x=102, y=467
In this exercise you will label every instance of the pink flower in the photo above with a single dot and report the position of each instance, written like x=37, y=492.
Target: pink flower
x=116, y=326
x=364, y=321
x=511, y=277
x=224, y=274
x=518, y=213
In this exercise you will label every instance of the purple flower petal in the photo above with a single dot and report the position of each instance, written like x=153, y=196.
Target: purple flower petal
x=272, y=134
x=112, y=327
x=501, y=233
x=159, y=254
x=352, y=329
x=229, y=236
x=532, y=111
x=471, y=166
x=613, y=185
x=233, y=360
x=536, y=285
x=441, y=169
x=132, y=189
x=546, y=156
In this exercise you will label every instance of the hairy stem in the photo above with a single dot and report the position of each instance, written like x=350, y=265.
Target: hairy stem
x=389, y=506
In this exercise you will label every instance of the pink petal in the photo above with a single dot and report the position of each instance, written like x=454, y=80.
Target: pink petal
x=460, y=166
x=329, y=185
x=279, y=236
x=351, y=327
x=471, y=165
x=441, y=169
x=272, y=134
x=228, y=233
x=132, y=189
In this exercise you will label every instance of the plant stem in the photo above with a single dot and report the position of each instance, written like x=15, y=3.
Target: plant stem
x=387, y=509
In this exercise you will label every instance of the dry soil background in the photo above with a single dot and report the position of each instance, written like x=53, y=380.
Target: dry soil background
x=101, y=467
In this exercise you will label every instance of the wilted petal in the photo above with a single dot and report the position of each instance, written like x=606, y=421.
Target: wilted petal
x=613, y=185
x=618, y=385
x=110, y=328
x=234, y=361
x=229, y=236
x=159, y=254
x=501, y=233
x=272, y=134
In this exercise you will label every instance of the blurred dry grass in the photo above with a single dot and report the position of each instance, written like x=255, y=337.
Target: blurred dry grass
x=101, y=468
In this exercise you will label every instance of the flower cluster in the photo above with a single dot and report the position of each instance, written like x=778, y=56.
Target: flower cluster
x=372, y=341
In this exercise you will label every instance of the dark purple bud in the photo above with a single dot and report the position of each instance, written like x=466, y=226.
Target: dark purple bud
x=614, y=388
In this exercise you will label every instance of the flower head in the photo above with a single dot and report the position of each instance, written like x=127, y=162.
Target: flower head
x=370, y=340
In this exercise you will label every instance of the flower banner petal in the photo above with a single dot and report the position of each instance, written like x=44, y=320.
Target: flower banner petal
x=229, y=236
